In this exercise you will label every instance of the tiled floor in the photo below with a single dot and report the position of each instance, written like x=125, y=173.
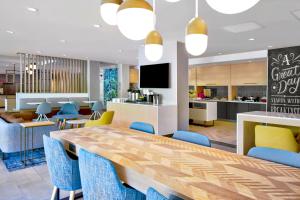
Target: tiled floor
x=222, y=131
x=26, y=184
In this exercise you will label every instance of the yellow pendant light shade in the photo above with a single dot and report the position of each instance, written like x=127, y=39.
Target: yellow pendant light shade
x=108, y=11
x=153, y=46
x=135, y=19
x=231, y=6
x=196, y=38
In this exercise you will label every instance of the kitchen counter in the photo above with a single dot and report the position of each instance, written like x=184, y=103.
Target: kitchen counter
x=246, y=123
x=162, y=117
x=229, y=101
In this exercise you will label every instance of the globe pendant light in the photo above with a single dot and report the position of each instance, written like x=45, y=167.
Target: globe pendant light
x=196, y=37
x=231, y=6
x=153, y=44
x=135, y=19
x=108, y=10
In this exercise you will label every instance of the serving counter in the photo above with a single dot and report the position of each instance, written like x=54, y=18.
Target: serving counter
x=162, y=117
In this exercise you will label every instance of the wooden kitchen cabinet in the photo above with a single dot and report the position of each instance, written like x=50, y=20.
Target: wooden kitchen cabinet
x=192, y=76
x=217, y=75
x=254, y=73
x=133, y=75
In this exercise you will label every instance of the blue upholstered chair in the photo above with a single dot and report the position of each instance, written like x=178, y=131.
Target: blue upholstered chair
x=64, y=170
x=100, y=180
x=191, y=137
x=276, y=155
x=142, y=126
x=76, y=104
x=97, y=108
x=42, y=110
x=152, y=194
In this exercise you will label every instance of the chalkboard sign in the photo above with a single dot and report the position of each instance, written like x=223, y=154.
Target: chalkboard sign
x=284, y=80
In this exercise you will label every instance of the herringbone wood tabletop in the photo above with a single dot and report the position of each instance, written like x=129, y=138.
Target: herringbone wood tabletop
x=194, y=171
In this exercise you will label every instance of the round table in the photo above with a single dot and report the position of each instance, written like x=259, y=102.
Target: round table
x=78, y=122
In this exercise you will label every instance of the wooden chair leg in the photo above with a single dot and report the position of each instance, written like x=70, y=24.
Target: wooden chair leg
x=72, y=195
x=54, y=193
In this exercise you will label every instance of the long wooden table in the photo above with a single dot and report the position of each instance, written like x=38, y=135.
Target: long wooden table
x=184, y=169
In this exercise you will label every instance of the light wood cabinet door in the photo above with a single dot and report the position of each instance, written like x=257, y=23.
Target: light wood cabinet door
x=254, y=73
x=217, y=75
x=192, y=76
x=133, y=75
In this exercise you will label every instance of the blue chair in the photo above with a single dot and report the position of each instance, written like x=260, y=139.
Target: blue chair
x=42, y=110
x=68, y=111
x=152, y=194
x=76, y=104
x=97, y=108
x=100, y=180
x=142, y=126
x=276, y=155
x=192, y=137
x=63, y=170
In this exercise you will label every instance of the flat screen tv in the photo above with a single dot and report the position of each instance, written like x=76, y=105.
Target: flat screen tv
x=154, y=76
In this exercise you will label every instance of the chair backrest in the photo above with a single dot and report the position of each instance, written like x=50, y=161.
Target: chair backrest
x=97, y=106
x=76, y=104
x=69, y=108
x=99, y=178
x=64, y=171
x=105, y=119
x=152, y=194
x=43, y=108
x=142, y=126
x=192, y=137
x=275, y=137
x=276, y=155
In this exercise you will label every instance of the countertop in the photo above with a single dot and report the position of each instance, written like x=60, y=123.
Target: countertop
x=229, y=101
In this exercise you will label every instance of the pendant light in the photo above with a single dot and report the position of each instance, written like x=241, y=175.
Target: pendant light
x=108, y=11
x=196, y=37
x=135, y=19
x=153, y=44
x=231, y=6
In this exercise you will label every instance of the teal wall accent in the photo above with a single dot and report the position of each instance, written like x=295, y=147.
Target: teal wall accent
x=110, y=84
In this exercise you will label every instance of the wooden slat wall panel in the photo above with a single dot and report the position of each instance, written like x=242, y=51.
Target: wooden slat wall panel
x=52, y=74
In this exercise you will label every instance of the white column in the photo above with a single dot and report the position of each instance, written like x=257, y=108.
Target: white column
x=123, y=79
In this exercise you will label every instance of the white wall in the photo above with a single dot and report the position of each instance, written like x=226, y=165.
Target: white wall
x=94, y=80
x=177, y=94
x=123, y=79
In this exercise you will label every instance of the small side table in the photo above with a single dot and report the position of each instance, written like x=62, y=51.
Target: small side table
x=27, y=126
x=78, y=123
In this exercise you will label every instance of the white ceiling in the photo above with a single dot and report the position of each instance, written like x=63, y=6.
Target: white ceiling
x=72, y=20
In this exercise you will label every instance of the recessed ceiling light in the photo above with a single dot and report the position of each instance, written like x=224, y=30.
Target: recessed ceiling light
x=120, y=50
x=10, y=32
x=96, y=26
x=249, y=61
x=38, y=52
x=64, y=55
x=62, y=41
x=251, y=39
x=270, y=46
x=220, y=53
x=30, y=9
x=244, y=27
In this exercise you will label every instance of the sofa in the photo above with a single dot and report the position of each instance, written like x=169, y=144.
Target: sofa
x=10, y=133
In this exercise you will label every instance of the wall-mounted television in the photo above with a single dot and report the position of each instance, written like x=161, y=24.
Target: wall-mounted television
x=154, y=76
